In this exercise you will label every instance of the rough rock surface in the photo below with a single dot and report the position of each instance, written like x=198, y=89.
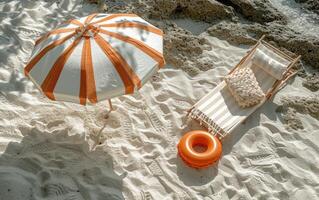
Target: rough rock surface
x=182, y=49
x=290, y=118
x=312, y=82
x=142, y=8
x=260, y=11
x=246, y=34
x=205, y=10
x=297, y=104
x=312, y=5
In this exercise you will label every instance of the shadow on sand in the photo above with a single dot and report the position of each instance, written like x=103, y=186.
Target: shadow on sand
x=56, y=166
x=198, y=177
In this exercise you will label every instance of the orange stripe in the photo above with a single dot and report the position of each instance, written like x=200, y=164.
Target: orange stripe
x=57, y=31
x=74, y=21
x=36, y=59
x=114, y=16
x=88, y=89
x=83, y=81
x=51, y=79
x=135, y=25
x=89, y=18
x=127, y=75
x=145, y=48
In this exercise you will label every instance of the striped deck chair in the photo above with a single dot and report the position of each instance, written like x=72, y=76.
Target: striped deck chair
x=219, y=112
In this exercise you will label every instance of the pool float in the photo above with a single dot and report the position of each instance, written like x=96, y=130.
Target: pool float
x=199, y=138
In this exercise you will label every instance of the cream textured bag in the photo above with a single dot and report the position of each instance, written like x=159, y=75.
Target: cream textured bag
x=244, y=87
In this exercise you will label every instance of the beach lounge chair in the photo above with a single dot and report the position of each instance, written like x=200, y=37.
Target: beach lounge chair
x=219, y=112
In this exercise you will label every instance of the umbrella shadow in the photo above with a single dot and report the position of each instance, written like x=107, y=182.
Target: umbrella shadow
x=56, y=166
x=16, y=83
x=10, y=46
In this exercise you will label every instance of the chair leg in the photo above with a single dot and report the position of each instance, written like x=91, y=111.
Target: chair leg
x=110, y=105
x=110, y=110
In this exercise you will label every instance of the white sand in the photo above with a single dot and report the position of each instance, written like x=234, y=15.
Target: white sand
x=52, y=150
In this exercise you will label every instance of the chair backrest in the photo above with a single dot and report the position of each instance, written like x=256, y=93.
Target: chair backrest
x=267, y=59
x=276, y=55
x=270, y=62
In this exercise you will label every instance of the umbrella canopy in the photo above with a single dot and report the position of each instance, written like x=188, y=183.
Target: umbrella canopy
x=96, y=58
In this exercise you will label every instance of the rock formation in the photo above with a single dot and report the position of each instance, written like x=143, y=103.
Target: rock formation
x=312, y=82
x=297, y=104
x=183, y=49
x=247, y=34
x=312, y=5
x=205, y=10
x=260, y=11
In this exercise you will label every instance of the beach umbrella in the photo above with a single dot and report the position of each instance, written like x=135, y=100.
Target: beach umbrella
x=95, y=58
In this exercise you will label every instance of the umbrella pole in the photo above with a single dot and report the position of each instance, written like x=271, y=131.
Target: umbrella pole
x=110, y=105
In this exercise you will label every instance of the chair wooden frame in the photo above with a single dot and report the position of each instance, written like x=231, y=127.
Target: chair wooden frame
x=278, y=84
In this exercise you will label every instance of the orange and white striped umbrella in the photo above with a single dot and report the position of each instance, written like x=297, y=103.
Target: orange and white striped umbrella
x=96, y=58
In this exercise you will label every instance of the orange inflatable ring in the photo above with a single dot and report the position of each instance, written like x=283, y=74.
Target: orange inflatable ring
x=212, y=152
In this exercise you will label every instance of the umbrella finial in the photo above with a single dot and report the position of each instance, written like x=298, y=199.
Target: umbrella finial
x=88, y=30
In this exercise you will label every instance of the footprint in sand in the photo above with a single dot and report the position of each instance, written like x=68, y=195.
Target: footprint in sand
x=16, y=185
x=56, y=166
x=155, y=169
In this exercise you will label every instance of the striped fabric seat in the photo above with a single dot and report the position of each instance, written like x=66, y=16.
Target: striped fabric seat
x=221, y=108
x=218, y=110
